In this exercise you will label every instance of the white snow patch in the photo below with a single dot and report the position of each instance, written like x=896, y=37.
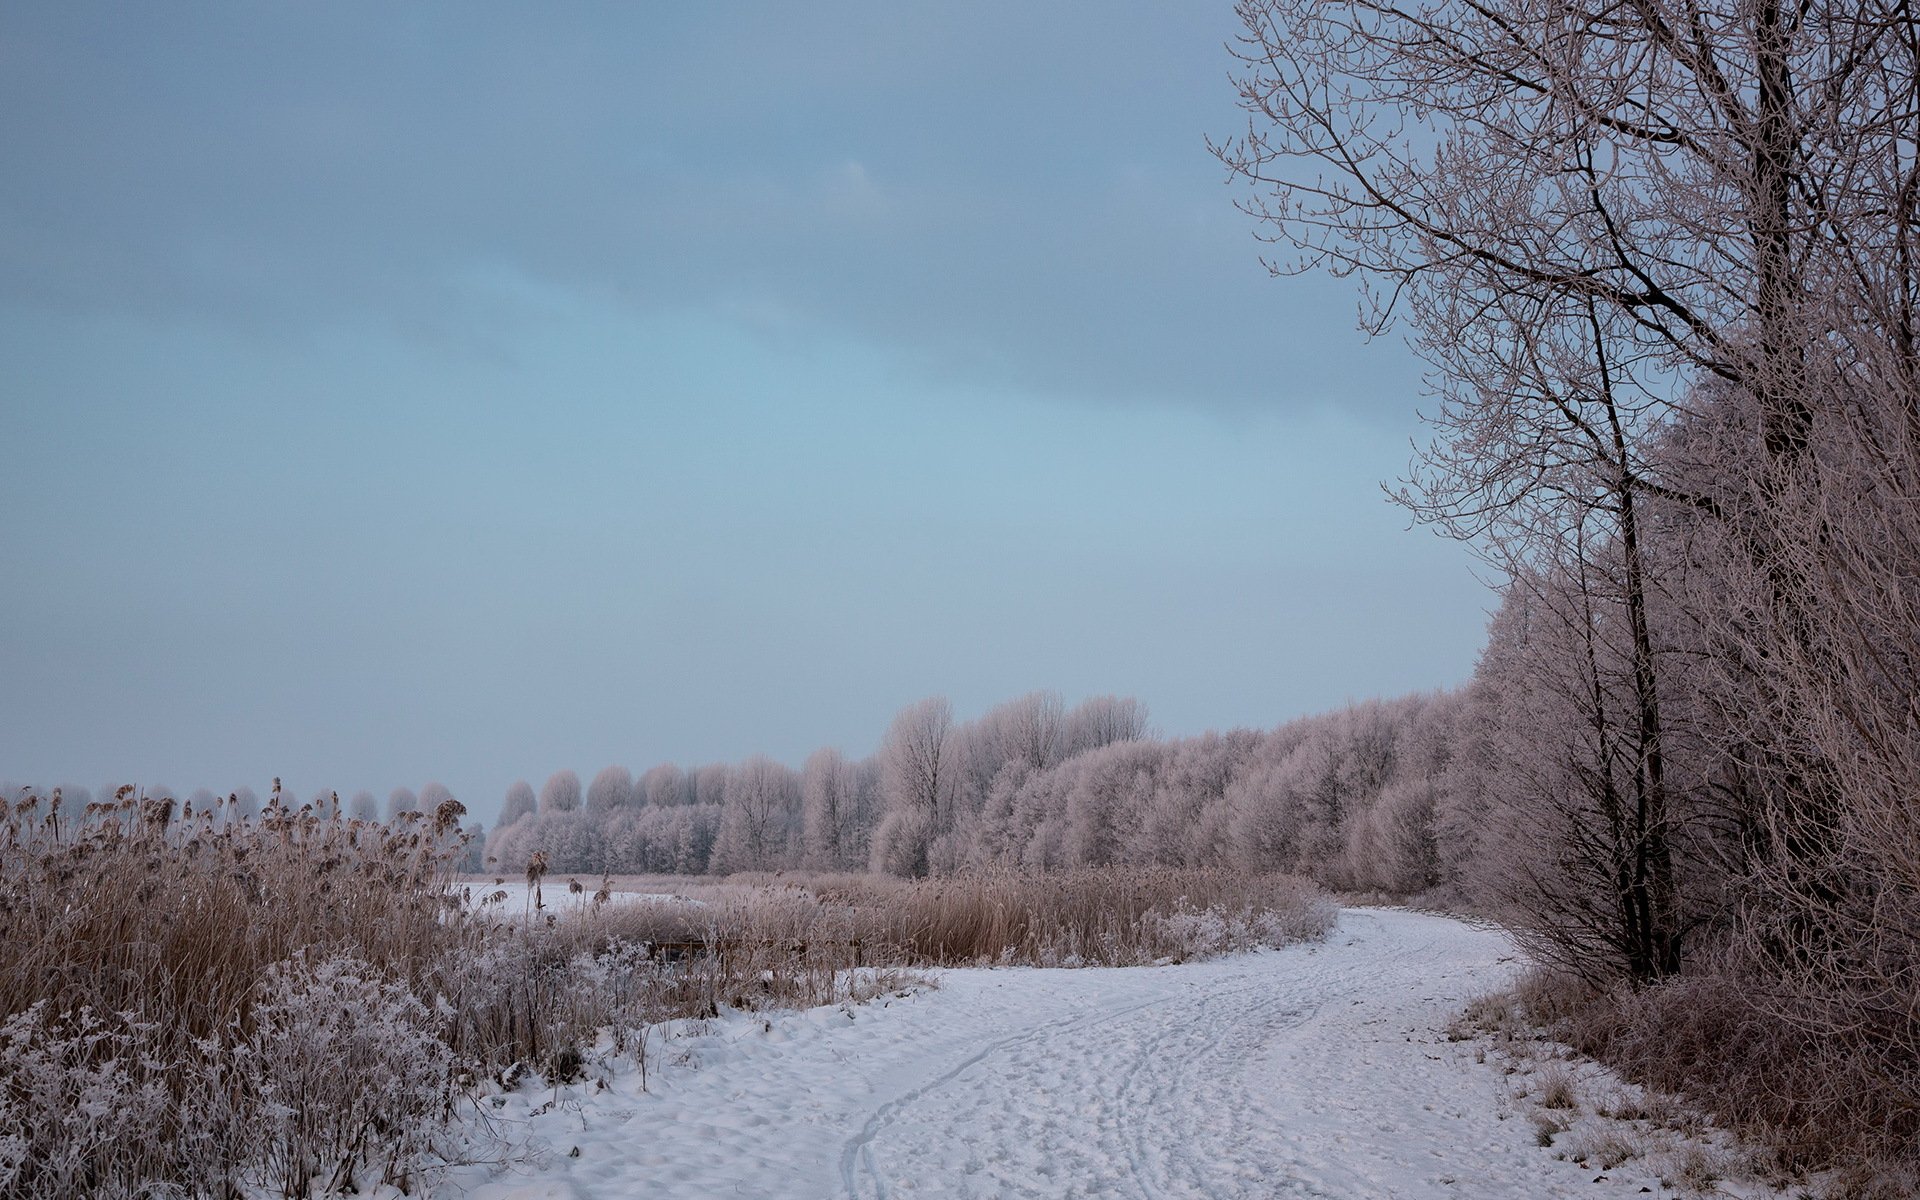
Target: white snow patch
x=515, y=898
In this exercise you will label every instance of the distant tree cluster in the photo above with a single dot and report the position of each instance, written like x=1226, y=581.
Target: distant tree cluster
x=1349, y=798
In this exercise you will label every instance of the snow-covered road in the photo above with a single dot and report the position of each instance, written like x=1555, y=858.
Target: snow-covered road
x=1317, y=1071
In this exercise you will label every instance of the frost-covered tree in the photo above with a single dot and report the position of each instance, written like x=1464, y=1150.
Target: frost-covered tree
x=1103, y=720
x=695, y=829
x=401, y=800
x=834, y=816
x=363, y=806
x=710, y=784
x=519, y=803
x=612, y=788
x=664, y=786
x=560, y=793
x=757, y=818
x=473, y=856
x=433, y=796
x=918, y=777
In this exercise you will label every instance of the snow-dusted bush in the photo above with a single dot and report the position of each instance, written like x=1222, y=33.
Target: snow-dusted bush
x=352, y=1080
x=138, y=967
x=1189, y=932
x=83, y=1107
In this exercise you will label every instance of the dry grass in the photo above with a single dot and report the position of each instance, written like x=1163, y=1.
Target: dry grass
x=126, y=908
x=1106, y=917
x=1089, y=917
x=1084, y=917
x=136, y=1054
x=1718, y=1047
x=1605, y=1147
x=1556, y=1087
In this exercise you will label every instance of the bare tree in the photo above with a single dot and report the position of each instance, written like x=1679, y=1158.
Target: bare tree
x=757, y=818
x=917, y=783
x=1103, y=720
x=830, y=804
x=1695, y=173
x=1662, y=257
x=1581, y=216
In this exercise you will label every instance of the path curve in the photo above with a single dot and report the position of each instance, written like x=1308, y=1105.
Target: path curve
x=1320, y=1070
x=1305, y=1073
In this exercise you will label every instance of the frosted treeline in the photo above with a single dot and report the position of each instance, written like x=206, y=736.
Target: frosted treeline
x=1347, y=797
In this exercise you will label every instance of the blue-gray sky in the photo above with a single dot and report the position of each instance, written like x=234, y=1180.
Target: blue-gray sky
x=463, y=392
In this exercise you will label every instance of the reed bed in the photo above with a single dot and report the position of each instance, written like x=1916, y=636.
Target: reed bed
x=1106, y=916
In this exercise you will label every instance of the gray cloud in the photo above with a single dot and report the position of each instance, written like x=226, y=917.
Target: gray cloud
x=1007, y=193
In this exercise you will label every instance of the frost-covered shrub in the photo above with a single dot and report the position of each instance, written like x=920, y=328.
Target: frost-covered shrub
x=141, y=1034
x=351, y=1075
x=83, y=1106
x=1189, y=932
x=900, y=843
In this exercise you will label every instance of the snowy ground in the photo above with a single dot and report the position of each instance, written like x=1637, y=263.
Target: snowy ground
x=1317, y=1071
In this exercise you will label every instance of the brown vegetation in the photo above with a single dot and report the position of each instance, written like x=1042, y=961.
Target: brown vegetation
x=1092, y=917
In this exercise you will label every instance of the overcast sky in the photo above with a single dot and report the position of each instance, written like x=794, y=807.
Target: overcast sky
x=461, y=392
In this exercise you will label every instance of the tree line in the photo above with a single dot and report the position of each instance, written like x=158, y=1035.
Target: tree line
x=1352, y=798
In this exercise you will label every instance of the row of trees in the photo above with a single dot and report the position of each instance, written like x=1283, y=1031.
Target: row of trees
x=761, y=815
x=1350, y=798
x=1664, y=258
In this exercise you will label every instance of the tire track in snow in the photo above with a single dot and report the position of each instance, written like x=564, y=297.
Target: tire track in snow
x=858, y=1151
x=1141, y=1117
x=1309, y=1072
x=1136, y=1035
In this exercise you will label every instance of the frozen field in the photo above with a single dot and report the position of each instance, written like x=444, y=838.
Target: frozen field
x=1315, y=1071
x=557, y=897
